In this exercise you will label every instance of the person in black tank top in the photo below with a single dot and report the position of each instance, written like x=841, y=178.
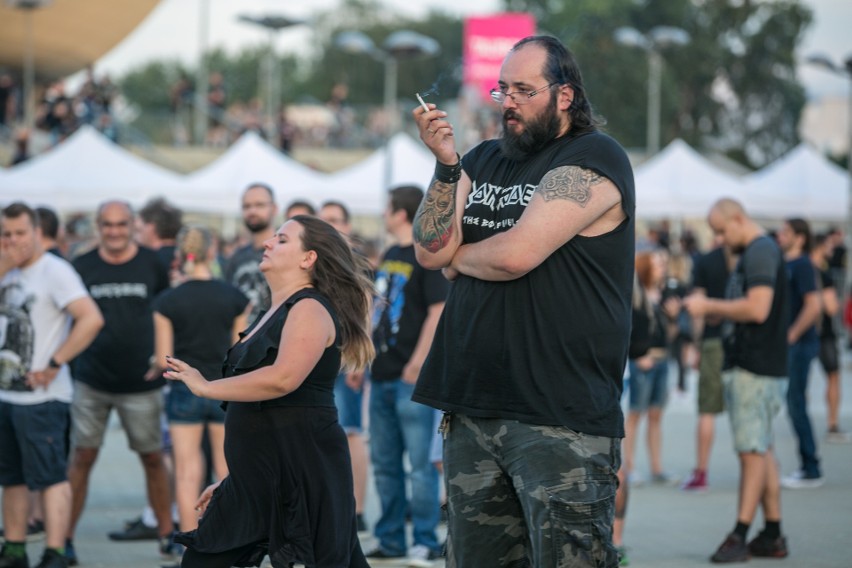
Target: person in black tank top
x=289, y=493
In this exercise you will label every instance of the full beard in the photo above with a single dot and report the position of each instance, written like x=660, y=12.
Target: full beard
x=256, y=226
x=537, y=132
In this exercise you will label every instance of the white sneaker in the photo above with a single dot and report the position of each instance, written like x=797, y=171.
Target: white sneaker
x=798, y=480
x=838, y=437
x=419, y=556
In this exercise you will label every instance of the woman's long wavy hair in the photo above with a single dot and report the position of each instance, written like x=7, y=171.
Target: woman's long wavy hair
x=341, y=276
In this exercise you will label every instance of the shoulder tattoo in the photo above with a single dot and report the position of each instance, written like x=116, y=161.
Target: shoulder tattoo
x=571, y=183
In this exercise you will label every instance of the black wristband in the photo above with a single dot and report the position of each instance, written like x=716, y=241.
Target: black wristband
x=53, y=364
x=448, y=174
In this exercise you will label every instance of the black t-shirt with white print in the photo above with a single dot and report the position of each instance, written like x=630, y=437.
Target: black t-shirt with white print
x=549, y=347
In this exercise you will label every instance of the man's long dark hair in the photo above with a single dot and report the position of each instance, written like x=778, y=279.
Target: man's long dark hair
x=561, y=67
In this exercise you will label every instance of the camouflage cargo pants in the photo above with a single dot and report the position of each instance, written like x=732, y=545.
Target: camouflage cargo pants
x=521, y=495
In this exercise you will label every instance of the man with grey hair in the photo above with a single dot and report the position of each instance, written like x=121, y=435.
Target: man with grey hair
x=123, y=278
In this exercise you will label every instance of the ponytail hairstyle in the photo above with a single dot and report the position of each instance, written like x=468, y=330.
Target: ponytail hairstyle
x=193, y=246
x=341, y=276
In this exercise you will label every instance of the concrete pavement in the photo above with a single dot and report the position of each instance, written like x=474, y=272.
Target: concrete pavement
x=665, y=526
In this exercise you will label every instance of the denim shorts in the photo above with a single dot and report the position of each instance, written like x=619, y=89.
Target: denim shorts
x=183, y=407
x=140, y=415
x=33, y=447
x=649, y=389
x=350, y=404
x=753, y=401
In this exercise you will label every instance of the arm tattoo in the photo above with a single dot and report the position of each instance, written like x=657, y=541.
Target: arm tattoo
x=433, y=223
x=569, y=182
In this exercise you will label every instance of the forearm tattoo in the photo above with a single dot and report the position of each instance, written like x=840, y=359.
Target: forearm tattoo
x=572, y=183
x=433, y=223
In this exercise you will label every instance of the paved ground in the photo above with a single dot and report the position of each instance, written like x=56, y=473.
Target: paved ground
x=665, y=527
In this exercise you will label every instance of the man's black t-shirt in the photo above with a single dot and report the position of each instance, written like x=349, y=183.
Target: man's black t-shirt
x=202, y=314
x=118, y=358
x=711, y=274
x=826, y=328
x=802, y=279
x=551, y=346
x=760, y=348
x=243, y=272
x=406, y=290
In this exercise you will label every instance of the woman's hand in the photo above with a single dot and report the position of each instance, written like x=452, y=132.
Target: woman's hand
x=204, y=499
x=177, y=370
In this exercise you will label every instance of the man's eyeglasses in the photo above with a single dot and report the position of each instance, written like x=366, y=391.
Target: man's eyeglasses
x=518, y=97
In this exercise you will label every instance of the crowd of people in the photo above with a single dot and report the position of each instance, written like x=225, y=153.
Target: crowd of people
x=240, y=379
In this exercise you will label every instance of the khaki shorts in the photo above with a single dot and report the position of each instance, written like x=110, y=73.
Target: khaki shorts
x=711, y=393
x=139, y=414
x=753, y=402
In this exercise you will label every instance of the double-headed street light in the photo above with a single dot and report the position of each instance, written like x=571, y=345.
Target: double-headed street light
x=843, y=69
x=402, y=44
x=273, y=23
x=658, y=38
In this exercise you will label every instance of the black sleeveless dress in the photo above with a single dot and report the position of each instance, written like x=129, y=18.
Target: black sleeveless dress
x=289, y=492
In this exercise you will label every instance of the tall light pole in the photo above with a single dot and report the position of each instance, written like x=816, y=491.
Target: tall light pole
x=399, y=45
x=29, y=7
x=273, y=24
x=844, y=69
x=652, y=43
x=202, y=77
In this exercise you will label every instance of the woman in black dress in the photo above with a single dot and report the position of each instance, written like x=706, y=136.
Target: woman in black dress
x=289, y=493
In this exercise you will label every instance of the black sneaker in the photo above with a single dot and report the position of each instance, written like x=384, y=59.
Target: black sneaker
x=13, y=561
x=52, y=559
x=136, y=530
x=734, y=549
x=360, y=523
x=379, y=553
x=169, y=549
x=766, y=547
x=70, y=553
x=35, y=531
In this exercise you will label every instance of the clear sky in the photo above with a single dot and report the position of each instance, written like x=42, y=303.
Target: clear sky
x=173, y=30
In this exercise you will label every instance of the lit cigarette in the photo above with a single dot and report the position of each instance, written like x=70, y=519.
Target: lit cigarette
x=422, y=102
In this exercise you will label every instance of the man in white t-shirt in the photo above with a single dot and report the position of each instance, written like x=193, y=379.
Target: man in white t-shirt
x=46, y=319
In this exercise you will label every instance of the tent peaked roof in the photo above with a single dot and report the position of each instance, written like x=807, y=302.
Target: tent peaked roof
x=362, y=186
x=89, y=169
x=680, y=182
x=219, y=185
x=802, y=183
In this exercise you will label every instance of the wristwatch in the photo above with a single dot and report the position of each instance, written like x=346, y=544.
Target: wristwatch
x=53, y=364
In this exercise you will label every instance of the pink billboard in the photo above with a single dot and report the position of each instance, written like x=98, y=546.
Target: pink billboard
x=487, y=40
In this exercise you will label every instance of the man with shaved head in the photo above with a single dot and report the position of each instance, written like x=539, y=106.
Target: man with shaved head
x=123, y=279
x=755, y=311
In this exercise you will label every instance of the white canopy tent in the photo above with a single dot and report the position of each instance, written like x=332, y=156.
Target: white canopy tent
x=802, y=183
x=82, y=172
x=218, y=186
x=680, y=183
x=363, y=186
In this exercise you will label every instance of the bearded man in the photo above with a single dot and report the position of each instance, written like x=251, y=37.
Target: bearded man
x=259, y=211
x=537, y=230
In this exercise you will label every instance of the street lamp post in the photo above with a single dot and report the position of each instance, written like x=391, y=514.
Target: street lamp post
x=653, y=42
x=29, y=7
x=844, y=69
x=399, y=45
x=274, y=24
